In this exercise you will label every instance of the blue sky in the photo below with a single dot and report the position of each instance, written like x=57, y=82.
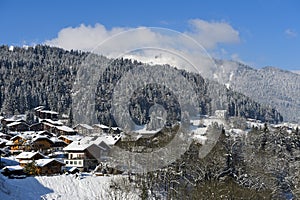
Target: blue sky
x=266, y=31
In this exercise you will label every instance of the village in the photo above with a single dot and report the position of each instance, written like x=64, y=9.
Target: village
x=50, y=147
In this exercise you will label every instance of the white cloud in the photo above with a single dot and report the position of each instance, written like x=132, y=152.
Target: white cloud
x=159, y=45
x=290, y=33
x=82, y=37
x=209, y=34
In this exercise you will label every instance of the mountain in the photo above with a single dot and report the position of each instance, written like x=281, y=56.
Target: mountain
x=44, y=75
x=269, y=86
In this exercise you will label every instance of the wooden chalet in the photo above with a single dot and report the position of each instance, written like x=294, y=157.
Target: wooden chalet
x=49, y=166
x=18, y=126
x=26, y=157
x=83, y=129
x=83, y=156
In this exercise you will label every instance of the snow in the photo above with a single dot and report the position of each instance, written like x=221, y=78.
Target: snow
x=27, y=155
x=49, y=112
x=14, y=124
x=77, y=146
x=13, y=167
x=57, y=123
x=66, y=187
x=143, y=129
x=65, y=129
x=71, y=137
x=86, y=126
x=45, y=161
x=11, y=48
x=101, y=126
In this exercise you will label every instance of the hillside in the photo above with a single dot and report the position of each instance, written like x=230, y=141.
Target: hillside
x=44, y=75
x=269, y=86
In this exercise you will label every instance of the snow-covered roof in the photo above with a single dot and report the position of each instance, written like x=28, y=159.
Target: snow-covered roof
x=13, y=168
x=86, y=126
x=77, y=146
x=9, y=143
x=39, y=137
x=27, y=155
x=71, y=137
x=57, y=122
x=24, y=136
x=81, y=145
x=16, y=123
x=45, y=161
x=49, y=112
x=39, y=108
x=65, y=128
x=108, y=139
x=102, y=126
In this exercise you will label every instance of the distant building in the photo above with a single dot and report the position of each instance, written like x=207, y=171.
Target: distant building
x=83, y=129
x=221, y=114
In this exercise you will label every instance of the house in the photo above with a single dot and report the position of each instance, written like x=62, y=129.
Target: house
x=84, y=156
x=69, y=138
x=83, y=129
x=15, y=171
x=19, y=143
x=221, y=114
x=64, y=130
x=36, y=127
x=41, y=113
x=50, y=125
x=18, y=126
x=41, y=143
x=27, y=157
x=100, y=128
x=49, y=166
x=57, y=144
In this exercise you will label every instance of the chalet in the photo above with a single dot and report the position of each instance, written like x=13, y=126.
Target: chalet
x=100, y=128
x=83, y=129
x=15, y=171
x=19, y=143
x=69, y=138
x=50, y=125
x=64, y=130
x=41, y=113
x=6, y=121
x=18, y=126
x=36, y=127
x=49, y=166
x=221, y=114
x=27, y=157
x=57, y=144
x=41, y=143
x=83, y=156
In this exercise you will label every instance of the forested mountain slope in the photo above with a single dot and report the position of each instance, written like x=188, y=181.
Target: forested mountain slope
x=44, y=75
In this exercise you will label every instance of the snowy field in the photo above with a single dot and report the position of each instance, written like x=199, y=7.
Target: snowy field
x=66, y=187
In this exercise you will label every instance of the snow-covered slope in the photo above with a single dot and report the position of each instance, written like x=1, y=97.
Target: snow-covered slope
x=269, y=86
x=65, y=187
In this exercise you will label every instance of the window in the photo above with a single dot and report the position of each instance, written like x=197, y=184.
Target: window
x=71, y=162
x=75, y=162
x=79, y=163
x=67, y=162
